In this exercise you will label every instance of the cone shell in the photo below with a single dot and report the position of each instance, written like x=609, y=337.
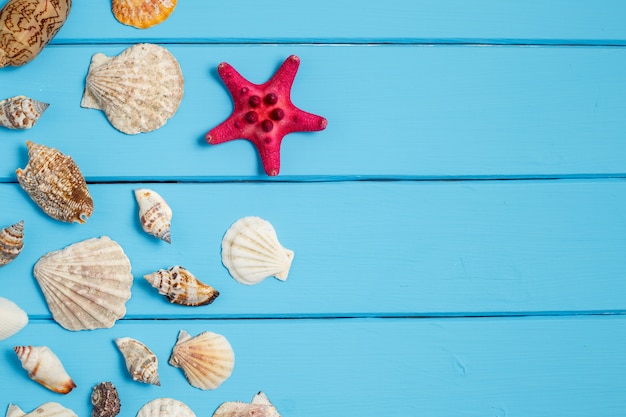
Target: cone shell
x=141, y=363
x=44, y=367
x=138, y=90
x=20, y=112
x=154, y=214
x=49, y=409
x=259, y=407
x=86, y=284
x=207, y=359
x=142, y=14
x=11, y=242
x=251, y=252
x=181, y=287
x=12, y=318
x=165, y=407
x=105, y=400
x=55, y=183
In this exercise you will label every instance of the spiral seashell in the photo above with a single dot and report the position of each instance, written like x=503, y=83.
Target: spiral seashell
x=55, y=183
x=181, y=287
x=251, y=252
x=86, y=284
x=259, y=407
x=154, y=214
x=142, y=14
x=11, y=242
x=20, y=112
x=12, y=318
x=207, y=359
x=141, y=363
x=165, y=407
x=138, y=90
x=49, y=409
x=105, y=400
x=44, y=367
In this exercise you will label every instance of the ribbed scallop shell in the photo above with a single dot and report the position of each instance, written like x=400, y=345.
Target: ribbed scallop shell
x=55, y=183
x=49, y=409
x=12, y=318
x=165, y=407
x=155, y=214
x=86, y=284
x=44, y=367
x=105, y=400
x=142, y=14
x=21, y=112
x=11, y=242
x=141, y=362
x=181, y=287
x=138, y=90
x=251, y=252
x=259, y=407
x=207, y=359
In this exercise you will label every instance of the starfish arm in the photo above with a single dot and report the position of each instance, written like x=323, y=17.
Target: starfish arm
x=283, y=78
x=223, y=132
x=302, y=121
x=231, y=78
x=270, y=157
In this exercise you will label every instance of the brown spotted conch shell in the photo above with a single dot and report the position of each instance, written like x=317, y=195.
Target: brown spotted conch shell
x=44, y=367
x=21, y=112
x=181, y=287
x=142, y=14
x=155, y=214
x=49, y=409
x=141, y=362
x=11, y=242
x=12, y=318
x=105, y=400
x=259, y=407
x=165, y=407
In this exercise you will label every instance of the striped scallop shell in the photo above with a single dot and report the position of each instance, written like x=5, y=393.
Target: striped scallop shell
x=155, y=214
x=142, y=364
x=259, y=407
x=207, y=359
x=12, y=318
x=138, y=90
x=11, y=242
x=86, y=284
x=142, y=14
x=20, y=112
x=181, y=287
x=251, y=252
x=45, y=367
x=165, y=407
x=49, y=409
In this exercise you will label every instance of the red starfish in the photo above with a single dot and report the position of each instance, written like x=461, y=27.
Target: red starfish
x=264, y=113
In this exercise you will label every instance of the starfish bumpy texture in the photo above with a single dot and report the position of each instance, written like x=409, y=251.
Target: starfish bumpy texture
x=264, y=113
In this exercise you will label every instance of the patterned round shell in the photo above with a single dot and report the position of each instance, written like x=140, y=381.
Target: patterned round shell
x=11, y=242
x=165, y=407
x=142, y=14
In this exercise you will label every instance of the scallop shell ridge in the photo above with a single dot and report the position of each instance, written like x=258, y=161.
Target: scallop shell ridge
x=12, y=318
x=11, y=242
x=49, y=409
x=260, y=406
x=141, y=362
x=142, y=14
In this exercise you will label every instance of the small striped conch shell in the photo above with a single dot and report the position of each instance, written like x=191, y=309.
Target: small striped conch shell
x=55, y=183
x=44, y=367
x=259, y=407
x=49, y=409
x=12, y=318
x=142, y=364
x=251, y=252
x=20, y=112
x=105, y=400
x=11, y=242
x=207, y=359
x=154, y=214
x=165, y=407
x=142, y=14
x=181, y=287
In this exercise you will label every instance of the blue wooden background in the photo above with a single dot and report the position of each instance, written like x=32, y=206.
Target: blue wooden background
x=459, y=228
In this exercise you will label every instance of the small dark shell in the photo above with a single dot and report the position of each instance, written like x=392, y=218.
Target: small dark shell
x=105, y=400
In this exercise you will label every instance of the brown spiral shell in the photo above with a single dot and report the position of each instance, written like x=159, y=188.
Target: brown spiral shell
x=105, y=400
x=11, y=242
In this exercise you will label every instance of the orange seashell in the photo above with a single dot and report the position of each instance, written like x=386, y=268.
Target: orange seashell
x=142, y=14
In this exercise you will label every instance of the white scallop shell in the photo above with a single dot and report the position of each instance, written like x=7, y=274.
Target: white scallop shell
x=87, y=284
x=141, y=362
x=12, y=318
x=259, y=407
x=251, y=252
x=49, y=409
x=45, y=367
x=20, y=112
x=138, y=90
x=11, y=242
x=155, y=214
x=165, y=407
x=207, y=359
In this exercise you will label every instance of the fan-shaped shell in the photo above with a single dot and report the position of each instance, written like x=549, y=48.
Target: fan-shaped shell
x=181, y=287
x=207, y=359
x=138, y=90
x=86, y=284
x=155, y=214
x=49, y=409
x=165, y=407
x=141, y=362
x=142, y=14
x=21, y=112
x=44, y=367
x=251, y=252
x=259, y=407
x=105, y=400
x=55, y=183
x=12, y=318
x=11, y=242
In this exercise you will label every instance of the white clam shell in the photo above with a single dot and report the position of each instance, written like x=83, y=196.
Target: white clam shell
x=11, y=242
x=251, y=252
x=259, y=407
x=165, y=407
x=86, y=284
x=155, y=214
x=45, y=367
x=141, y=362
x=20, y=112
x=49, y=409
x=12, y=318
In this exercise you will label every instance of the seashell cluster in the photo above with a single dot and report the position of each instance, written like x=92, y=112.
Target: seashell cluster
x=12, y=318
x=259, y=407
x=11, y=242
x=142, y=14
x=86, y=284
x=55, y=183
x=141, y=363
x=138, y=90
x=251, y=252
x=20, y=112
x=154, y=214
x=165, y=407
x=207, y=359
x=105, y=400
x=49, y=409
x=181, y=287
x=44, y=367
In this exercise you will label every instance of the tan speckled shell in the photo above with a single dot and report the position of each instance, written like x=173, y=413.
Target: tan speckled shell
x=138, y=90
x=141, y=362
x=259, y=407
x=21, y=112
x=181, y=287
x=142, y=14
x=105, y=400
x=165, y=407
x=55, y=183
x=45, y=367
x=86, y=284
x=49, y=409
x=155, y=215
x=11, y=242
